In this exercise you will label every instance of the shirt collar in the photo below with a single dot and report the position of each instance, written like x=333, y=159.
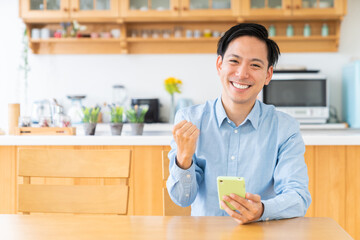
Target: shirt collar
x=253, y=116
x=220, y=111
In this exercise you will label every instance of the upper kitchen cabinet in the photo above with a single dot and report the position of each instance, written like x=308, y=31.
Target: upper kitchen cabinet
x=319, y=7
x=145, y=9
x=32, y=10
x=211, y=9
x=180, y=10
x=271, y=9
x=64, y=10
x=94, y=9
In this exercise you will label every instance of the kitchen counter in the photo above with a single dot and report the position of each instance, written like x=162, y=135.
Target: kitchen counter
x=160, y=135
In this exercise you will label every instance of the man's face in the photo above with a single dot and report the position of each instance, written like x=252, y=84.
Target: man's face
x=244, y=70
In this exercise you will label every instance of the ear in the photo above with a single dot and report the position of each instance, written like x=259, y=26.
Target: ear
x=269, y=75
x=219, y=64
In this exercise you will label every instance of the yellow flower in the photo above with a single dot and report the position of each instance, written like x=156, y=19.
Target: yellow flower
x=172, y=85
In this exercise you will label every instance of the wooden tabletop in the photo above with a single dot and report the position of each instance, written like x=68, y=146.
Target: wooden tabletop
x=37, y=227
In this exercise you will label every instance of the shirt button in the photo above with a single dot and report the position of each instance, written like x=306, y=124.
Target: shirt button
x=187, y=195
x=188, y=176
x=235, y=131
x=232, y=157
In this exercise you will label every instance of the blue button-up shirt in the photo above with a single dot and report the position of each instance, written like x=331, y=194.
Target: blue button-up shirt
x=266, y=149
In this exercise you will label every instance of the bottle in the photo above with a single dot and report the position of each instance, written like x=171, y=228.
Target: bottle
x=324, y=30
x=272, y=31
x=289, y=30
x=307, y=30
x=58, y=116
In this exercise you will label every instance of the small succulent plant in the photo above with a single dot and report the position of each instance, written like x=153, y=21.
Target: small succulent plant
x=90, y=114
x=116, y=113
x=136, y=114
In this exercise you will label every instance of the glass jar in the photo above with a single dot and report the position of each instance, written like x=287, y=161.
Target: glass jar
x=45, y=121
x=75, y=111
x=24, y=121
x=289, y=31
x=307, y=30
x=272, y=31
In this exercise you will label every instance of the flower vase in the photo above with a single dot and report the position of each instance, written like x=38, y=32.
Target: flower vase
x=172, y=110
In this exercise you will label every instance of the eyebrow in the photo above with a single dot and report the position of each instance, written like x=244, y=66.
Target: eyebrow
x=253, y=59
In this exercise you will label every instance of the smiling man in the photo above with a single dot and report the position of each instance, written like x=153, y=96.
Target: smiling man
x=237, y=135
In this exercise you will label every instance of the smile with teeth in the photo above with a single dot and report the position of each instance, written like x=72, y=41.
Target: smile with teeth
x=240, y=86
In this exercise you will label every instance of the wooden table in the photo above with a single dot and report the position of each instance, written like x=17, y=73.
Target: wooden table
x=37, y=227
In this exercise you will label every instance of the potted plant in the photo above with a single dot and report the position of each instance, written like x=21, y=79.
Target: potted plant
x=90, y=117
x=116, y=124
x=136, y=117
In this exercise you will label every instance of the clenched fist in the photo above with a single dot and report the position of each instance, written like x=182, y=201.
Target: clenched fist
x=185, y=134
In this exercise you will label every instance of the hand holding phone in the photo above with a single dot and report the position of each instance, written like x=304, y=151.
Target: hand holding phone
x=227, y=185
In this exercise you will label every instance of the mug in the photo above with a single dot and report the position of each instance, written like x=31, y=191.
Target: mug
x=115, y=33
x=45, y=33
x=35, y=33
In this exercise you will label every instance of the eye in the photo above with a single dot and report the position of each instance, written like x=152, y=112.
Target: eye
x=256, y=65
x=233, y=61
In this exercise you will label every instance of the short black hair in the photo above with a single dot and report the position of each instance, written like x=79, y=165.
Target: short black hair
x=254, y=30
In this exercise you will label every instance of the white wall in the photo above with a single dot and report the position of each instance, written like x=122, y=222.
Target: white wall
x=55, y=76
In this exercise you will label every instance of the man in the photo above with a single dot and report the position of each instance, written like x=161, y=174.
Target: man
x=237, y=135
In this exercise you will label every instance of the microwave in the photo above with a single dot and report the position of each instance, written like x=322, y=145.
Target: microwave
x=305, y=96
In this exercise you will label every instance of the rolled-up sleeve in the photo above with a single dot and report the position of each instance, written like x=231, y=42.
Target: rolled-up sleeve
x=290, y=181
x=182, y=184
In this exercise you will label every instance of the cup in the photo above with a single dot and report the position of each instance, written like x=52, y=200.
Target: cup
x=189, y=33
x=116, y=33
x=45, y=33
x=197, y=33
x=216, y=34
x=35, y=33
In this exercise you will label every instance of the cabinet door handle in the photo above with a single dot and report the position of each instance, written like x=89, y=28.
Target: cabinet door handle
x=176, y=8
x=297, y=7
x=74, y=9
x=185, y=8
x=287, y=6
x=66, y=9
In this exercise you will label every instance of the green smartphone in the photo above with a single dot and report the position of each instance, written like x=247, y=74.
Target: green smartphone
x=227, y=185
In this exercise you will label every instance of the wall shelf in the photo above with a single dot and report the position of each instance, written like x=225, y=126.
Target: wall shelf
x=128, y=20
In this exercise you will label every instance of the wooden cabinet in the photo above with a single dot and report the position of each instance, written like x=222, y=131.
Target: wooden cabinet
x=151, y=26
x=318, y=7
x=334, y=181
x=44, y=9
x=146, y=9
x=313, y=8
x=210, y=8
x=66, y=10
x=134, y=10
x=89, y=9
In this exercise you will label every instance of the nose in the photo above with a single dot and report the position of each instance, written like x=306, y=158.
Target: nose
x=242, y=72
